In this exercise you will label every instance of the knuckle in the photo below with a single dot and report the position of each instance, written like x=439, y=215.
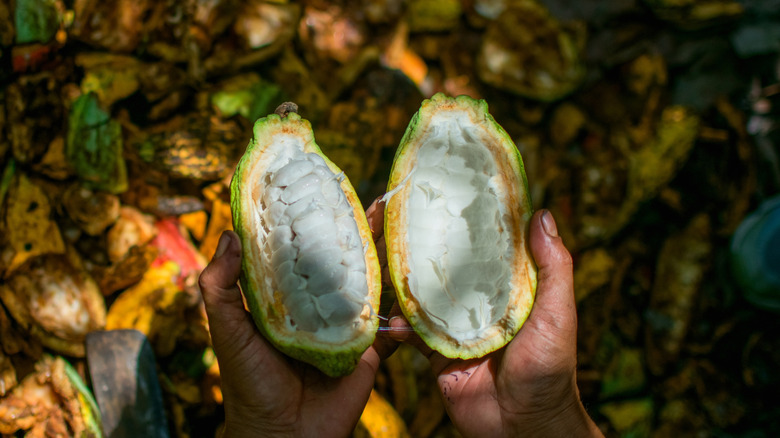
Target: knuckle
x=205, y=280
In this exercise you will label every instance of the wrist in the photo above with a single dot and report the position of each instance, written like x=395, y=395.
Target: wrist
x=566, y=417
x=240, y=424
x=573, y=421
x=237, y=430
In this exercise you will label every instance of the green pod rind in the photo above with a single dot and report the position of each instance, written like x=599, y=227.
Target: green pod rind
x=336, y=357
x=508, y=189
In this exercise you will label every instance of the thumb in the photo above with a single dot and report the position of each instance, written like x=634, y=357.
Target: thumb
x=229, y=323
x=551, y=328
x=555, y=292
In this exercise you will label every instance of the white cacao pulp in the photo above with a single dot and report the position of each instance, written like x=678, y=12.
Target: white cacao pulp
x=456, y=227
x=459, y=239
x=310, y=241
x=310, y=273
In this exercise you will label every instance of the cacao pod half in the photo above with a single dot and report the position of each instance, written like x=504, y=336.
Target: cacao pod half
x=456, y=228
x=310, y=272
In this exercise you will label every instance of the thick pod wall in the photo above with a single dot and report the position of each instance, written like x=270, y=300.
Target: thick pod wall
x=310, y=272
x=456, y=228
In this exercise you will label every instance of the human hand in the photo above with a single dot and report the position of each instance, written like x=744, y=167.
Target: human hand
x=529, y=387
x=265, y=392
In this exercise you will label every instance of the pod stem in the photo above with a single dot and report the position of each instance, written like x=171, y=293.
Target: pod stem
x=286, y=108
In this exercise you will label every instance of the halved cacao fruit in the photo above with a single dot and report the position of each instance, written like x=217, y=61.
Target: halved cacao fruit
x=456, y=228
x=310, y=272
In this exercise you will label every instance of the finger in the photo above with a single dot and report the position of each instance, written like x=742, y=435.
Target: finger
x=384, y=344
x=368, y=365
x=376, y=220
x=381, y=253
x=395, y=310
x=376, y=217
x=401, y=331
x=555, y=283
x=219, y=280
x=229, y=322
x=542, y=358
x=547, y=342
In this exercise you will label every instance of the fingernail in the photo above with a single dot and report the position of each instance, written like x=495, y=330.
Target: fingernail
x=548, y=223
x=222, y=246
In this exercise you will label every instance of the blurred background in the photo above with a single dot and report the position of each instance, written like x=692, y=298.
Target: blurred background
x=648, y=127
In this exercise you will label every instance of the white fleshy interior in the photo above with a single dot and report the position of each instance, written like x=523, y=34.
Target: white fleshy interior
x=458, y=236
x=311, y=246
